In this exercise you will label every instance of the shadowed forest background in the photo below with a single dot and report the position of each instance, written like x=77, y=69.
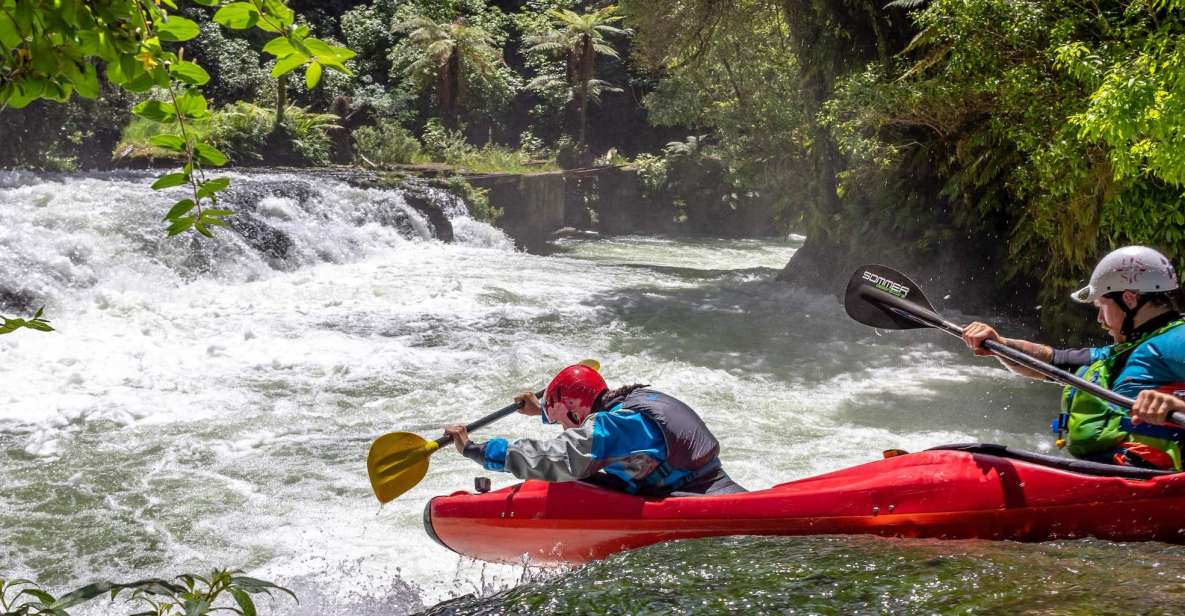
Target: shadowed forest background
x=1002, y=144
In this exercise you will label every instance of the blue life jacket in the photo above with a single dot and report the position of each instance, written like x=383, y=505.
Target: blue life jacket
x=652, y=441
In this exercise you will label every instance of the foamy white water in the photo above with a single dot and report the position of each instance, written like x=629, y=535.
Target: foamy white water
x=211, y=403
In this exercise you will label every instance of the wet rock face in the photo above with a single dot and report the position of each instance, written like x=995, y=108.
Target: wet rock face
x=266, y=239
x=17, y=302
x=424, y=203
x=244, y=199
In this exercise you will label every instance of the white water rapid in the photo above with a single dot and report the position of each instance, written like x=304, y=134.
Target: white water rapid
x=210, y=402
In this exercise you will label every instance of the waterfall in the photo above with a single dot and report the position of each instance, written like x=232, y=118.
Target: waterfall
x=63, y=236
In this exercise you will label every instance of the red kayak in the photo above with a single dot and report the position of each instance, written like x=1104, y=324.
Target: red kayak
x=954, y=492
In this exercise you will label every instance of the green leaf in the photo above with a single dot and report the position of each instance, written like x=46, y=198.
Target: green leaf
x=207, y=2
x=40, y=326
x=237, y=16
x=280, y=11
x=85, y=80
x=81, y=595
x=176, y=29
x=192, y=105
x=40, y=595
x=279, y=47
x=9, y=35
x=196, y=607
x=268, y=25
x=255, y=586
x=210, y=187
x=168, y=142
x=312, y=75
x=143, y=80
x=244, y=601
x=320, y=48
x=170, y=180
x=326, y=52
x=157, y=111
x=288, y=64
x=210, y=155
x=180, y=208
x=40, y=311
x=91, y=44
x=190, y=73
x=181, y=225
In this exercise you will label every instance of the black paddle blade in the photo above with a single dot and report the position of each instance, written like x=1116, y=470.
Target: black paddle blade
x=871, y=290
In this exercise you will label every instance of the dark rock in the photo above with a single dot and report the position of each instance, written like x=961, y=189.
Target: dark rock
x=423, y=203
x=266, y=239
x=18, y=301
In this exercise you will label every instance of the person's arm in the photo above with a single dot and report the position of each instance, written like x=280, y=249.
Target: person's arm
x=567, y=457
x=975, y=334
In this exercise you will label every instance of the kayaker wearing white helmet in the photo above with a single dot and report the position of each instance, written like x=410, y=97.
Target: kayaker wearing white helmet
x=1134, y=290
x=634, y=439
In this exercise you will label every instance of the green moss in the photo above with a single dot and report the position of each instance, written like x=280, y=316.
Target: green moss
x=477, y=199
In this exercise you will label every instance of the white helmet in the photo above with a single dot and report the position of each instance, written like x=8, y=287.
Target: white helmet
x=1131, y=268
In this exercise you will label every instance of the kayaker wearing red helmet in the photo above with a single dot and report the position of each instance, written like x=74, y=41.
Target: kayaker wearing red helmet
x=1133, y=289
x=646, y=442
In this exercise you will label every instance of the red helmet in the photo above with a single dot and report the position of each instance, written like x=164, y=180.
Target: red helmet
x=569, y=397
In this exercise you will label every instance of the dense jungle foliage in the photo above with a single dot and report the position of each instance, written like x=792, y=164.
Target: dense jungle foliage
x=1039, y=133
x=1047, y=130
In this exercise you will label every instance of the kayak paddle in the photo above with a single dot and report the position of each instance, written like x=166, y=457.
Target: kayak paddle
x=399, y=460
x=884, y=298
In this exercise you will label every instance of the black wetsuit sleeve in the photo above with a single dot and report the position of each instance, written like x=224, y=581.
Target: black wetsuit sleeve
x=475, y=452
x=1071, y=359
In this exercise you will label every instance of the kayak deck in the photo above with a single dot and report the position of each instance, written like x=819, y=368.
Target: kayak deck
x=956, y=492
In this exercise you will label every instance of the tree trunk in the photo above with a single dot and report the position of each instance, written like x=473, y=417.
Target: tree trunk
x=462, y=90
x=587, y=63
x=444, y=94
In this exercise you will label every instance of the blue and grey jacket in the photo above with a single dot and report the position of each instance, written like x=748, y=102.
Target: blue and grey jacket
x=649, y=440
x=1159, y=360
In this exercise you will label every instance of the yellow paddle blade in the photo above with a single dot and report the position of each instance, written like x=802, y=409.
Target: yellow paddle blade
x=397, y=462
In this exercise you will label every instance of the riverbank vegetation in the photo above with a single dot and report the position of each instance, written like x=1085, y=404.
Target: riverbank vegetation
x=1029, y=136
x=1034, y=135
x=189, y=593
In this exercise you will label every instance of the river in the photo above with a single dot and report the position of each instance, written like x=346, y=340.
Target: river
x=210, y=403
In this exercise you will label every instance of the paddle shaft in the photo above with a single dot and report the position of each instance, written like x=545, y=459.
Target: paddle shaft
x=487, y=420
x=933, y=319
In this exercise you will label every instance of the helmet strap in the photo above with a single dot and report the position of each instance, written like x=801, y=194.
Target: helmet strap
x=1129, y=314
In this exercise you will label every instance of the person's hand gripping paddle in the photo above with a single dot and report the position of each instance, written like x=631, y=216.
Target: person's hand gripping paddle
x=884, y=298
x=399, y=460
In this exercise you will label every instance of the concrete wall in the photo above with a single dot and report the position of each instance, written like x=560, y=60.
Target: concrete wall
x=605, y=199
x=532, y=205
x=610, y=200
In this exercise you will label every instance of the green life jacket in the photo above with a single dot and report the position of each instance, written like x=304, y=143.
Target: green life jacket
x=1094, y=426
